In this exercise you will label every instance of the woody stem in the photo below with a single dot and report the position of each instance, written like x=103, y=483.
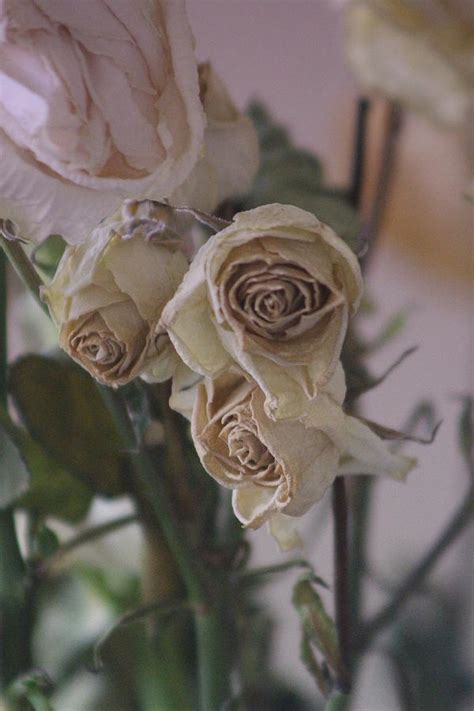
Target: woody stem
x=341, y=570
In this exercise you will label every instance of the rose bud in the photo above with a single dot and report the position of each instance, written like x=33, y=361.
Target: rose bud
x=279, y=469
x=108, y=294
x=272, y=292
x=100, y=102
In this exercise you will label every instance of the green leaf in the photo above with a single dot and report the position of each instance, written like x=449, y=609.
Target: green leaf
x=338, y=702
x=62, y=409
x=309, y=660
x=45, y=542
x=51, y=491
x=317, y=625
x=465, y=429
x=293, y=176
x=391, y=330
x=34, y=688
x=14, y=477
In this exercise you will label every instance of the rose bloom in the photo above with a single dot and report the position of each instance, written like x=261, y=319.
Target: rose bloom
x=99, y=102
x=279, y=469
x=272, y=292
x=418, y=53
x=108, y=294
x=230, y=158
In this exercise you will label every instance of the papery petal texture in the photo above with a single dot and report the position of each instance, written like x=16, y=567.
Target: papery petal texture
x=99, y=101
x=272, y=292
x=230, y=156
x=108, y=294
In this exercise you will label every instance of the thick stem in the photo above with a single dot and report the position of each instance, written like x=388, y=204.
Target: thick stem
x=384, y=182
x=210, y=630
x=341, y=566
x=157, y=496
x=25, y=270
x=361, y=505
x=359, y=153
x=14, y=622
x=363, y=486
x=461, y=518
x=216, y=643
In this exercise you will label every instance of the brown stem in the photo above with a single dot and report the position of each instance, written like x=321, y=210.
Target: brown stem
x=341, y=565
x=384, y=182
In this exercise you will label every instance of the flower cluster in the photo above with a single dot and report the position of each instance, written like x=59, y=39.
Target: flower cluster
x=110, y=128
x=251, y=332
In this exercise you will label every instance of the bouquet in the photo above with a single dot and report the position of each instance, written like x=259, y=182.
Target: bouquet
x=206, y=286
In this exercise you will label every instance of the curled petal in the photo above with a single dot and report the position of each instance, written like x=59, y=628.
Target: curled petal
x=366, y=453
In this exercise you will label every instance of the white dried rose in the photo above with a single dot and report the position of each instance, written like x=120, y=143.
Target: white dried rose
x=418, y=53
x=99, y=101
x=230, y=154
x=285, y=466
x=108, y=294
x=272, y=292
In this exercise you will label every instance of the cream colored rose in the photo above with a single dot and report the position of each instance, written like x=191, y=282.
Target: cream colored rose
x=108, y=294
x=99, y=101
x=421, y=54
x=281, y=467
x=230, y=154
x=272, y=292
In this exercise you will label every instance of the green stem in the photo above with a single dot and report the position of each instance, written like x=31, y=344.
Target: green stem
x=86, y=537
x=24, y=269
x=461, y=518
x=272, y=569
x=157, y=496
x=14, y=623
x=203, y=592
x=160, y=609
x=215, y=653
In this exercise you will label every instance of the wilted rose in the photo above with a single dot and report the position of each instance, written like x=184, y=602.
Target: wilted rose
x=108, y=294
x=272, y=292
x=230, y=153
x=99, y=102
x=285, y=466
x=418, y=53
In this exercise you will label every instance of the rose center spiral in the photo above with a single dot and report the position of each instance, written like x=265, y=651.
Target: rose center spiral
x=277, y=301
x=249, y=454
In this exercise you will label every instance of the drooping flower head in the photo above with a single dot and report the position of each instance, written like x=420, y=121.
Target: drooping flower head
x=108, y=294
x=273, y=293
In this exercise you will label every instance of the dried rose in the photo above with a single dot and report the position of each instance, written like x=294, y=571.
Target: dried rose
x=231, y=153
x=108, y=294
x=285, y=466
x=272, y=292
x=100, y=102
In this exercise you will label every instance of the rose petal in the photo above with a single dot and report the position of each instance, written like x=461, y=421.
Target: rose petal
x=136, y=265
x=365, y=453
x=284, y=531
